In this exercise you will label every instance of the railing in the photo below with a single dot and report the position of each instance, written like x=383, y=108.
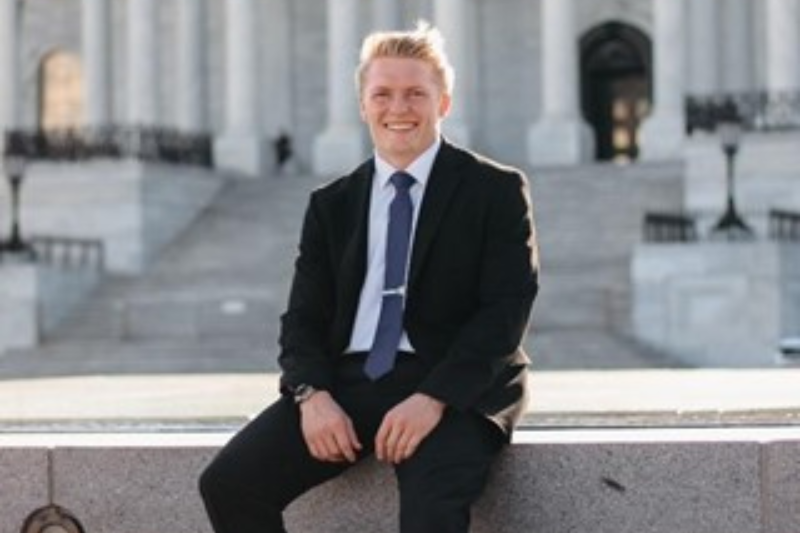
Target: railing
x=775, y=224
x=669, y=227
x=784, y=225
x=755, y=111
x=115, y=142
x=69, y=252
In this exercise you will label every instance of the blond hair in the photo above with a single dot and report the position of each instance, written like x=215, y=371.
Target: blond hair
x=425, y=42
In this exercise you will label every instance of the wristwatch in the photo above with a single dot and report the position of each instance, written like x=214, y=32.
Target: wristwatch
x=303, y=392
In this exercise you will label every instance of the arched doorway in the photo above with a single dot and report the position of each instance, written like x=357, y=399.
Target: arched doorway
x=616, y=62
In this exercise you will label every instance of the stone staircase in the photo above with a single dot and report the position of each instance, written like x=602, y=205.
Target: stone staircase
x=212, y=301
x=589, y=220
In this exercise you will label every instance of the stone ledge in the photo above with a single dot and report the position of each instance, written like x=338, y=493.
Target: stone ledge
x=671, y=481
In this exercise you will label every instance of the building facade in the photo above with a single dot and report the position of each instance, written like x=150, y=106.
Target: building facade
x=539, y=82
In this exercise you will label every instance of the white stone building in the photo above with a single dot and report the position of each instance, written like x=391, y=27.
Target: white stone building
x=539, y=82
x=548, y=85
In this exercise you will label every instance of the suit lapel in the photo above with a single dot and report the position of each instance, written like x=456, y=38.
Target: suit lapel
x=354, y=257
x=443, y=182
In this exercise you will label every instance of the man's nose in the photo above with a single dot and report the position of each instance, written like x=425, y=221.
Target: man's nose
x=399, y=103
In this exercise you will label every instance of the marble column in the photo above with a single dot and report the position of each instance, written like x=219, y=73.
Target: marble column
x=191, y=96
x=96, y=44
x=664, y=131
x=451, y=18
x=737, y=46
x=241, y=147
x=278, y=63
x=386, y=14
x=783, y=45
x=143, y=52
x=340, y=147
x=10, y=94
x=704, y=58
x=560, y=136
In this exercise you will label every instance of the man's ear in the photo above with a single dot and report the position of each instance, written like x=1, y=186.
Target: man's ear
x=445, y=102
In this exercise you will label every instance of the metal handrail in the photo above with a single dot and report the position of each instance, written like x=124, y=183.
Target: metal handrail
x=755, y=110
x=784, y=225
x=114, y=142
x=669, y=227
x=69, y=252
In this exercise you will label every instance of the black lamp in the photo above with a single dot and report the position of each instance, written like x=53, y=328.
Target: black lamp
x=14, y=166
x=731, y=224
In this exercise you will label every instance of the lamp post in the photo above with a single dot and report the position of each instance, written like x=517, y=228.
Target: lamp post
x=14, y=166
x=731, y=224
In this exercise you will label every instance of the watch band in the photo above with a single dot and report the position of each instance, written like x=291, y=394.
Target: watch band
x=303, y=392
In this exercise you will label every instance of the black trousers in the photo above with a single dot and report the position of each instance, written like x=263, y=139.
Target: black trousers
x=267, y=464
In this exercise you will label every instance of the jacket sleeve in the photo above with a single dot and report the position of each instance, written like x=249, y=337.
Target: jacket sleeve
x=486, y=346
x=304, y=326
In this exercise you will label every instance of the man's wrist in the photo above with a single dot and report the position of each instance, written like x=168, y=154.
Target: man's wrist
x=303, y=393
x=436, y=403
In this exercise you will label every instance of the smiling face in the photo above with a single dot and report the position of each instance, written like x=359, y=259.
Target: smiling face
x=402, y=103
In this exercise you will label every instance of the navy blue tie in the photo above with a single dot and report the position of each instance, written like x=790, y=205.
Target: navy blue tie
x=390, y=324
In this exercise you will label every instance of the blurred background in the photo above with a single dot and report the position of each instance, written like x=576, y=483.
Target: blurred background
x=157, y=158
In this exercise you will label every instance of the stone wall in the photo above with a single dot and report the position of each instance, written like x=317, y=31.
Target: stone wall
x=134, y=208
x=678, y=481
x=724, y=304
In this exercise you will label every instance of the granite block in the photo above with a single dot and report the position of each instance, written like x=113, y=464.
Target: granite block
x=781, y=487
x=651, y=486
x=624, y=488
x=132, y=490
x=362, y=499
x=592, y=488
x=23, y=485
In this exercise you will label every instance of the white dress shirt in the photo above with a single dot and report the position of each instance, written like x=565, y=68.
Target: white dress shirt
x=369, y=304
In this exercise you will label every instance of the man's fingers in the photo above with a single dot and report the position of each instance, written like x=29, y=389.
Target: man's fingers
x=317, y=451
x=332, y=450
x=406, y=449
x=405, y=426
x=335, y=444
x=328, y=431
x=387, y=442
x=346, y=445
x=382, y=441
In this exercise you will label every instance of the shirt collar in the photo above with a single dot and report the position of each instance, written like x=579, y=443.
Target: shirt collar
x=420, y=168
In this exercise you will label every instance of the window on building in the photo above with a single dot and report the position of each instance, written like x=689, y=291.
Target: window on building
x=61, y=91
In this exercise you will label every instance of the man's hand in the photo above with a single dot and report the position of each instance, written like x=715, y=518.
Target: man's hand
x=327, y=429
x=405, y=426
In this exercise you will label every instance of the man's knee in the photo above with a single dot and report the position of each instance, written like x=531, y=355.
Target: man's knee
x=209, y=482
x=221, y=478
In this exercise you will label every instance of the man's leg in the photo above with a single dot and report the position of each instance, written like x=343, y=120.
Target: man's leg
x=260, y=471
x=447, y=474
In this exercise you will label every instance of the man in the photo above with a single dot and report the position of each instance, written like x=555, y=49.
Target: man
x=441, y=401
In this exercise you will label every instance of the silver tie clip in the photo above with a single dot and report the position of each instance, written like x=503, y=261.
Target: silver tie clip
x=397, y=291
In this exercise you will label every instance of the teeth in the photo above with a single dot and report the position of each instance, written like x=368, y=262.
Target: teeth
x=399, y=127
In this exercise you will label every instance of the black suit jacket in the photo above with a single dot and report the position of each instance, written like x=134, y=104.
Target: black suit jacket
x=472, y=280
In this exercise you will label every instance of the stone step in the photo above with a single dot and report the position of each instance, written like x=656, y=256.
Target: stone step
x=581, y=348
x=226, y=278
x=229, y=313
x=594, y=213
x=98, y=357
